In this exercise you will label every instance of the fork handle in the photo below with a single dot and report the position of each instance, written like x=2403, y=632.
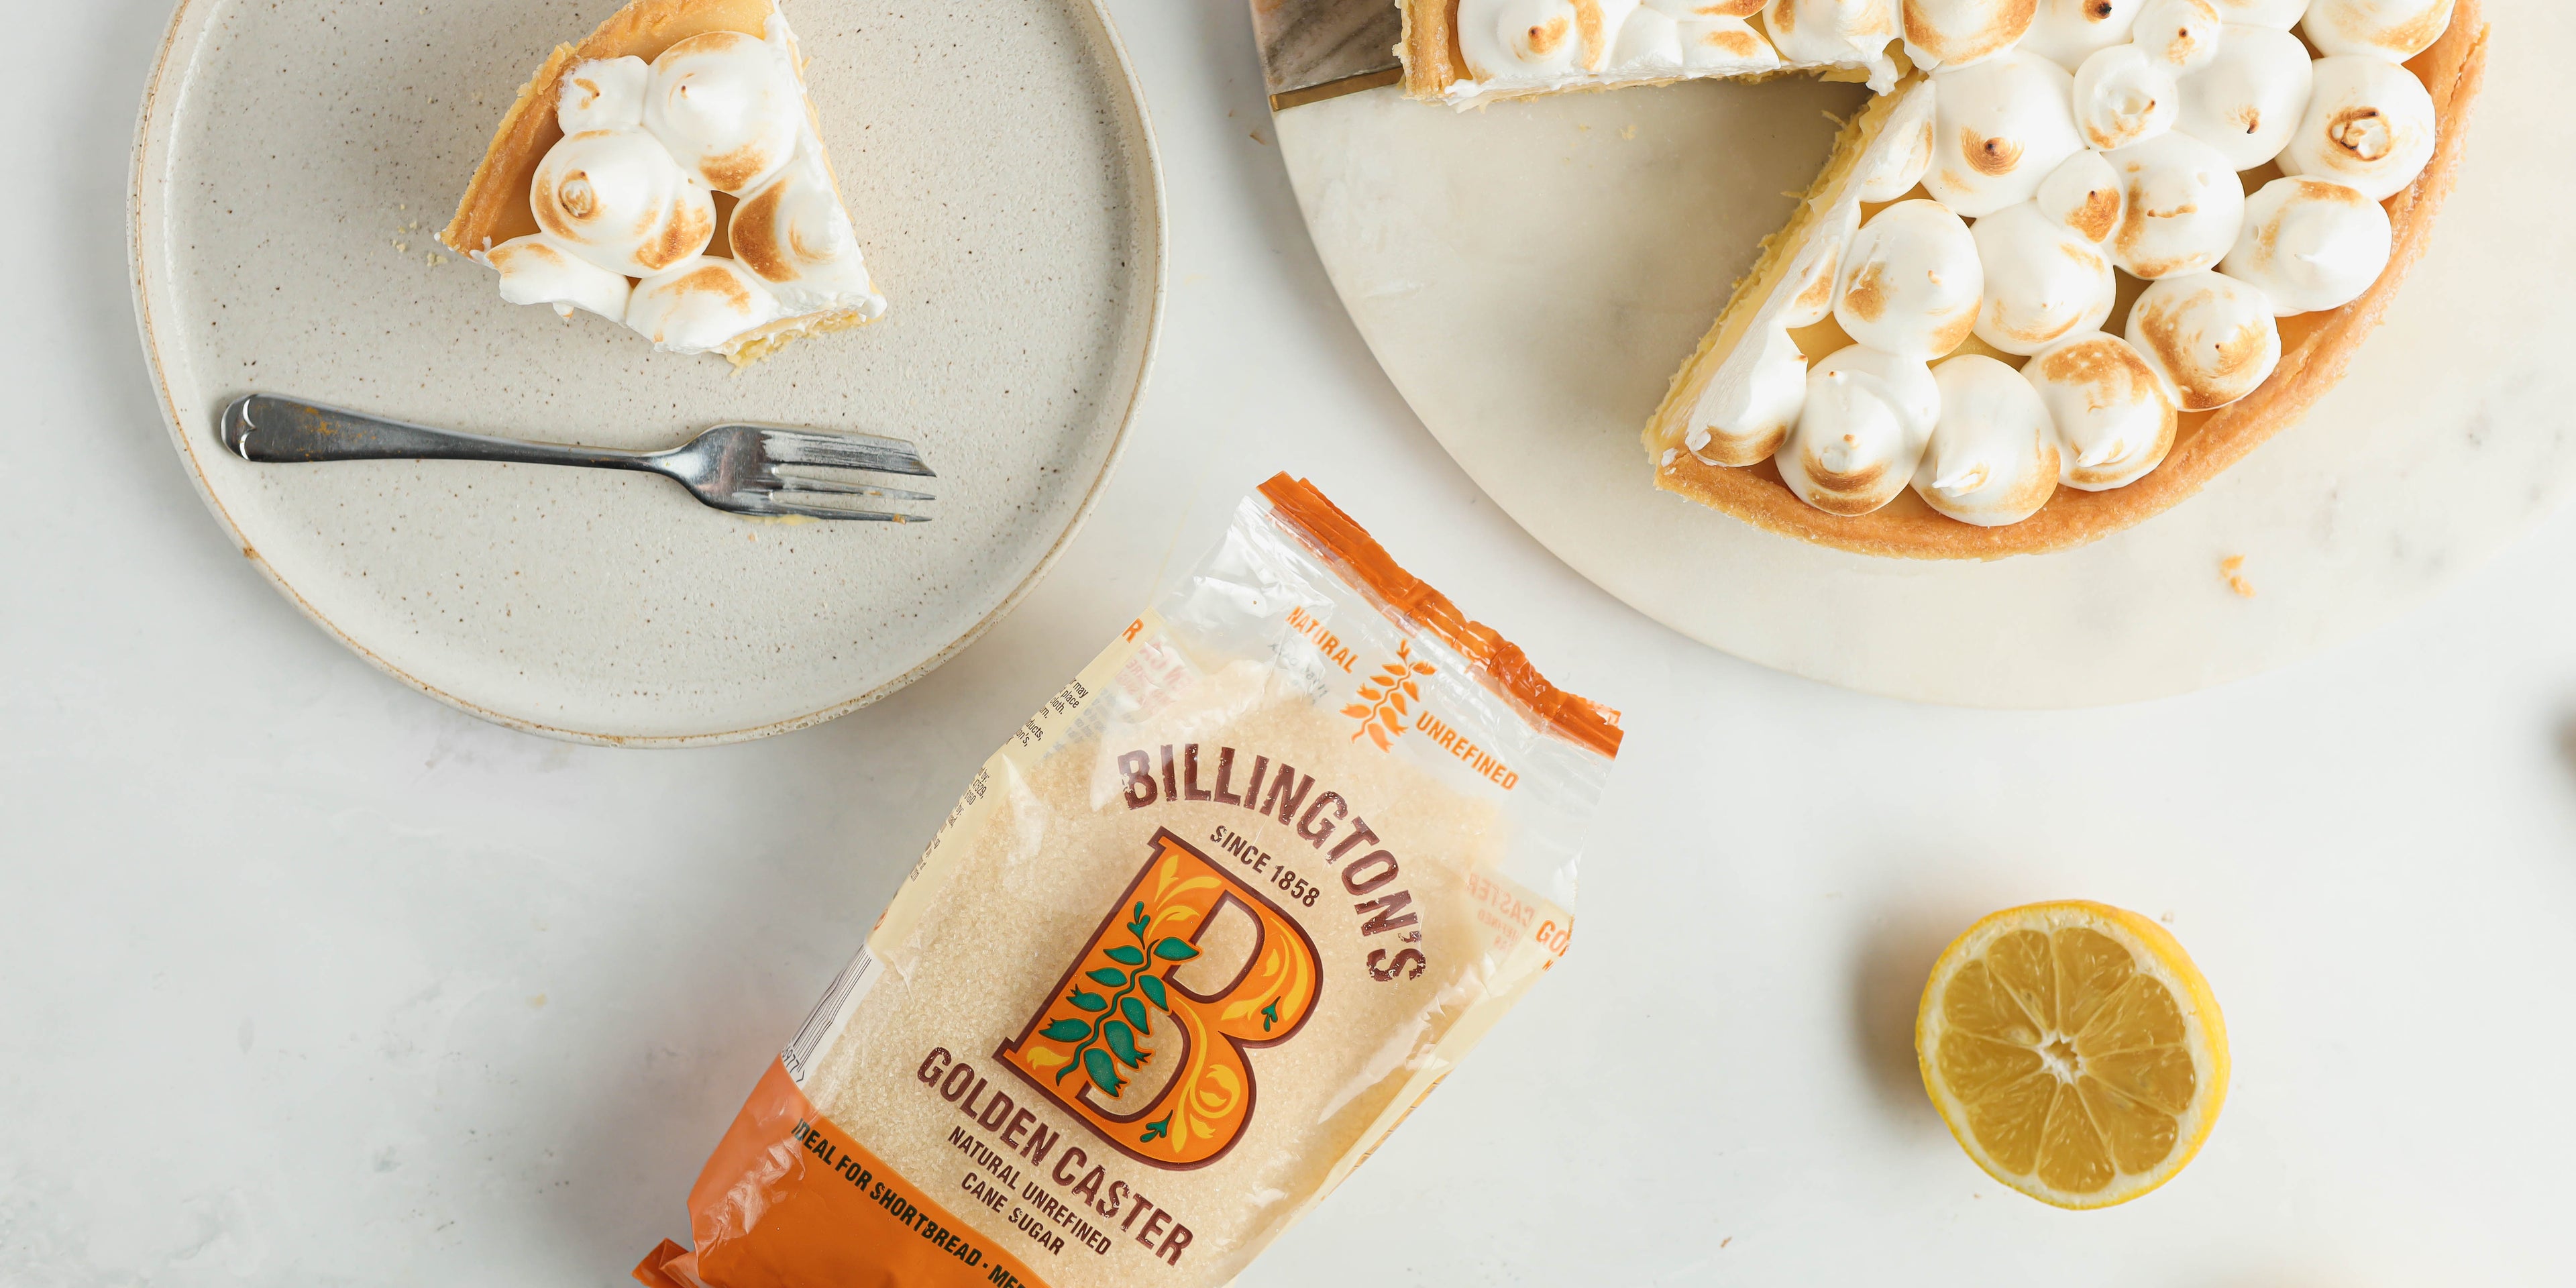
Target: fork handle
x=266, y=428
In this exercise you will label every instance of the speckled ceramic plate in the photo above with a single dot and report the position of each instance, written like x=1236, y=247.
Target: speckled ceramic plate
x=1530, y=274
x=292, y=161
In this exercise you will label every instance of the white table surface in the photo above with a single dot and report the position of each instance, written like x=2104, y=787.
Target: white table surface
x=308, y=979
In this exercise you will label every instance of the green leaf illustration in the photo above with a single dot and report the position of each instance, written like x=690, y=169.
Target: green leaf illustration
x=1122, y=1042
x=1270, y=1015
x=1127, y=956
x=1156, y=1129
x=1103, y=1075
x=1153, y=986
x=1171, y=949
x=1066, y=1030
x=1108, y=977
x=1089, y=1001
x=1134, y=1011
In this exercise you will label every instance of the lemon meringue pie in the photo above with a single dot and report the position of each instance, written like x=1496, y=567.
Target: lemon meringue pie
x=668, y=174
x=2072, y=259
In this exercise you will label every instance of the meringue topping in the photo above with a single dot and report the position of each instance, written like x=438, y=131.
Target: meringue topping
x=2247, y=101
x=2210, y=337
x=2114, y=420
x=2067, y=32
x=1509, y=40
x=1993, y=457
x=617, y=199
x=1652, y=42
x=602, y=94
x=2185, y=206
x=1868, y=416
x=728, y=106
x=1904, y=150
x=2124, y=96
x=796, y=237
x=2084, y=195
x=1814, y=301
x=700, y=304
x=1911, y=281
x=2043, y=281
x=2182, y=34
x=2280, y=15
x=614, y=200
x=1847, y=33
x=536, y=269
x=2310, y=244
x=2369, y=124
x=2395, y=30
x=2000, y=126
x=1956, y=33
x=1745, y=414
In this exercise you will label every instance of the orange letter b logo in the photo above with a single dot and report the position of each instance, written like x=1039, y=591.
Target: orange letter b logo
x=1117, y=1017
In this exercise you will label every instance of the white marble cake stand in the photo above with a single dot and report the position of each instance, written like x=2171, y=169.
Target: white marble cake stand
x=1530, y=275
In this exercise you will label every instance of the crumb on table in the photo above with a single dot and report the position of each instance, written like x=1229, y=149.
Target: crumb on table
x=2233, y=569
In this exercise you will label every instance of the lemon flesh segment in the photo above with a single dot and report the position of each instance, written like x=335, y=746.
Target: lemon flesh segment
x=2074, y=1051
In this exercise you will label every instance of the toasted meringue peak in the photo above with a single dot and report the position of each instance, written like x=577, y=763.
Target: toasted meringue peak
x=2210, y=336
x=617, y=199
x=1904, y=149
x=602, y=94
x=2248, y=101
x=1745, y=413
x=699, y=304
x=2181, y=34
x=2369, y=123
x=2310, y=244
x=2124, y=97
x=2114, y=420
x=2043, y=281
x=1821, y=272
x=1957, y=33
x=794, y=235
x=1911, y=281
x=1849, y=33
x=2394, y=30
x=1653, y=42
x=729, y=107
x=2280, y=15
x=536, y=269
x=2069, y=31
x=1993, y=457
x=2084, y=195
x=2001, y=125
x=1868, y=415
x=2184, y=207
x=1510, y=41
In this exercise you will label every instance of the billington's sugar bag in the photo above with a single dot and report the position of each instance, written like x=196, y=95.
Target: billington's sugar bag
x=1193, y=941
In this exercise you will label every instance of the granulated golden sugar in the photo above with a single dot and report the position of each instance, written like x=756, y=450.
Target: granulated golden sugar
x=1192, y=942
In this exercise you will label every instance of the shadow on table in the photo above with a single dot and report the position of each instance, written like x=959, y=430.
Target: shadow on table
x=1887, y=987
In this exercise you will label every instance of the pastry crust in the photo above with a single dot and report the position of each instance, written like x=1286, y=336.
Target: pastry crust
x=495, y=209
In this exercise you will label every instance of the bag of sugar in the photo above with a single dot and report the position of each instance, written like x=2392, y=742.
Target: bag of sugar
x=1191, y=944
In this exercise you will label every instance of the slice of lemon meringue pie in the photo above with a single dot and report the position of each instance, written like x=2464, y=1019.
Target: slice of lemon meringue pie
x=2072, y=259
x=668, y=173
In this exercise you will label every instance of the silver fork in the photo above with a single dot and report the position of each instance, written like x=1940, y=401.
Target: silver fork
x=731, y=467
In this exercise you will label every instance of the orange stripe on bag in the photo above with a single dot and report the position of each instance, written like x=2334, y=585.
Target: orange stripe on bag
x=1498, y=662
x=790, y=1201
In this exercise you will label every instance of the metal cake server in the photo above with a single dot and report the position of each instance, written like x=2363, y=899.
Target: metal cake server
x=730, y=467
x=1312, y=50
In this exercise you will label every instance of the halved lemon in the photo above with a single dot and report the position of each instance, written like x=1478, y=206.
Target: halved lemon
x=2074, y=1050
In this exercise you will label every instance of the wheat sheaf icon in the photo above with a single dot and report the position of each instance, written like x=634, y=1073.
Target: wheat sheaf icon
x=1385, y=696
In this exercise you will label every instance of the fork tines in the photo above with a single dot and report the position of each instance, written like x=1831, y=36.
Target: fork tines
x=814, y=496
